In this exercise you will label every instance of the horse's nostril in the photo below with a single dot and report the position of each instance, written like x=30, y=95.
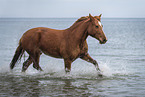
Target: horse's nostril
x=104, y=40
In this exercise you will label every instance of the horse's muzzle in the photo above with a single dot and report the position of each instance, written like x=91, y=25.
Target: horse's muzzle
x=103, y=42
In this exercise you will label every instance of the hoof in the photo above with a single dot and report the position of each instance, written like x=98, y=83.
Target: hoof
x=67, y=70
x=40, y=69
x=23, y=70
x=100, y=75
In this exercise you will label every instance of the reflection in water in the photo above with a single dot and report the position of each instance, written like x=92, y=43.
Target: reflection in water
x=59, y=87
x=70, y=87
x=71, y=90
x=19, y=86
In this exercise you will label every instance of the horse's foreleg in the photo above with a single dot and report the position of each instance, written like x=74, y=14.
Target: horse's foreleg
x=26, y=64
x=88, y=58
x=67, y=64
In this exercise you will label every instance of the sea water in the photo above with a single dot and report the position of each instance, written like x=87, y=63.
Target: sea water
x=121, y=60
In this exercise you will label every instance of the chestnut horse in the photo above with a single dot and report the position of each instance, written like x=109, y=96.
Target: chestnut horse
x=68, y=44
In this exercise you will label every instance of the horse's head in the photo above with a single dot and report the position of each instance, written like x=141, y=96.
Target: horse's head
x=95, y=29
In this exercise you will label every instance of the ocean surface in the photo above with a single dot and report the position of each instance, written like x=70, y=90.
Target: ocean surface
x=121, y=60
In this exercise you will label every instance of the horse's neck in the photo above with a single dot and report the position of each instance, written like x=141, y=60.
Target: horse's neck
x=79, y=32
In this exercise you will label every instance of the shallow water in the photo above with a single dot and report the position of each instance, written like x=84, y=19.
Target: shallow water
x=121, y=60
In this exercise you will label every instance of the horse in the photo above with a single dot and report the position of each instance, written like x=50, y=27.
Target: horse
x=68, y=44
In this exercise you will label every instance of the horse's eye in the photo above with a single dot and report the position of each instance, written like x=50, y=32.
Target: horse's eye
x=97, y=26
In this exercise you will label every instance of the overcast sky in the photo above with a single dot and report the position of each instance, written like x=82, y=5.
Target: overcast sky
x=72, y=8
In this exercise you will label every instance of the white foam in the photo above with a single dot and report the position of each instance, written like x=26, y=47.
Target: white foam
x=107, y=71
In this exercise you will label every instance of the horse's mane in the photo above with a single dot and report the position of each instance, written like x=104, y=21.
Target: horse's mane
x=86, y=17
x=82, y=18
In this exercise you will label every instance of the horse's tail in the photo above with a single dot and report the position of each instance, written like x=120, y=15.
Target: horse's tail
x=17, y=56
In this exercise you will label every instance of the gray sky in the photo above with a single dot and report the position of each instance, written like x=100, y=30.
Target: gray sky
x=72, y=8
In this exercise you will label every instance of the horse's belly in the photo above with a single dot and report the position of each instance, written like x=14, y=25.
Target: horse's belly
x=52, y=52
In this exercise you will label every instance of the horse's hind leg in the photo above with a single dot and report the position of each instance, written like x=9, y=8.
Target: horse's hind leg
x=36, y=65
x=35, y=55
x=26, y=64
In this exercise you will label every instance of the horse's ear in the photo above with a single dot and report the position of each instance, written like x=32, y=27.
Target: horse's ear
x=100, y=15
x=91, y=17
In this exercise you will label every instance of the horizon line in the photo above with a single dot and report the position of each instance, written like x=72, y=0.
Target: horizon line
x=70, y=17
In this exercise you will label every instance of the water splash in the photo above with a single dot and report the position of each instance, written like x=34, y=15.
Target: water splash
x=81, y=70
